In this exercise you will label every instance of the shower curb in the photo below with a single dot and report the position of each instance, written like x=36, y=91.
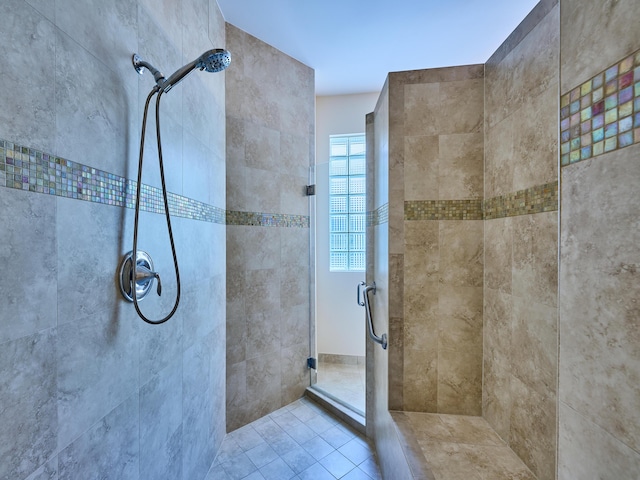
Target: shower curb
x=348, y=416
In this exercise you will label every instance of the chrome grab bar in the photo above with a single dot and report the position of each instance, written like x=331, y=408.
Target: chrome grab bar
x=382, y=340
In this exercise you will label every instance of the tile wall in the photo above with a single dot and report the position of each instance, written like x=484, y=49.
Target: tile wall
x=599, y=397
x=521, y=229
x=435, y=225
x=270, y=145
x=89, y=390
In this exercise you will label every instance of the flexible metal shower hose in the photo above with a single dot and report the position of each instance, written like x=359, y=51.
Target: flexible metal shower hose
x=166, y=209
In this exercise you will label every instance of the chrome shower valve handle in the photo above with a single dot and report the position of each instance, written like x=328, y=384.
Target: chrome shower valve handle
x=143, y=273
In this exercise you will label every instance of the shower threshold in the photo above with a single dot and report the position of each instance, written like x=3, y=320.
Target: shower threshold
x=352, y=417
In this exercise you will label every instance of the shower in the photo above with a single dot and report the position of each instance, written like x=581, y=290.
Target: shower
x=136, y=269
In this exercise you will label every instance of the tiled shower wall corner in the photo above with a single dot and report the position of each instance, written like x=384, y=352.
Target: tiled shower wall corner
x=270, y=145
x=599, y=392
x=520, y=245
x=88, y=389
x=435, y=220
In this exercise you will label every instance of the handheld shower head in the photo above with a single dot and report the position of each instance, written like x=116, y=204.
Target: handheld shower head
x=213, y=61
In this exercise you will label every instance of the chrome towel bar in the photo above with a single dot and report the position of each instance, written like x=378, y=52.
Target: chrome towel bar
x=381, y=340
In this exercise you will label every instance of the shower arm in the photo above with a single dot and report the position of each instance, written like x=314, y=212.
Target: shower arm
x=139, y=64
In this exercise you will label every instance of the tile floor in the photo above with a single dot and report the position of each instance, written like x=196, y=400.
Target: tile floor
x=301, y=441
x=344, y=382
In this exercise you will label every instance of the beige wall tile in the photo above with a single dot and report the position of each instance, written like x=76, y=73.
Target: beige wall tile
x=463, y=102
x=499, y=159
x=496, y=392
x=577, y=457
x=498, y=236
x=613, y=23
x=421, y=109
x=420, y=380
x=528, y=70
x=461, y=253
x=461, y=166
x=421, y=161
x=270, y=135
x=535, y=140
x=422, y=252
x=599, y=356
x=460, y=318
x=534, y=345
x=460, y=381
x=533, y=429
x=535, y=257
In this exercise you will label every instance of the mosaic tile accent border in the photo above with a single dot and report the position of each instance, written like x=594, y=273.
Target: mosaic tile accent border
x=31, y=170
x=443, y=210
x=258, y=219
x=602, y=114
x=538, y=199
x=378, y=216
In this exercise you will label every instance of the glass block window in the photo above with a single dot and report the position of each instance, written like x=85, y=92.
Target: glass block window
x=347, y=203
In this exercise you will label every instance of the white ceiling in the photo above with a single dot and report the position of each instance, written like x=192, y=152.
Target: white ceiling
x=353, y=44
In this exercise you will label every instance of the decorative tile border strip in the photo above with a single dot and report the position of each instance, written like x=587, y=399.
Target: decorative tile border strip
x=443, y=210
x=538, y=199
x=602, y=114
x=28, y=169
x=378, y=216
x=258, y=219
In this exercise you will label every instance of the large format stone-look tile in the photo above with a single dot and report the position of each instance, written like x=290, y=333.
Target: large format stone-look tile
x=108, y=450
x=421, y=166
x=28, y=113
x=577, y=457
x=29, y=266
x=498, y=244
x=94, y=25
x=520, y=252
x=599, y=338
x=198, y=403
x=534, y=345
x=48, y=471
x=460, y=381
x=533, y=429
x=86, y=122
x=420, y=381
x=581, y=22
x=527, y=70
x=295, y=374
x=535, y=257
x=535, y=140
x=87, y=285
x=161, y=417
x=461, y=247
x=498, y=158
x=28, y=417
x=461, y=157
x=496, y=392
x=96, y=372
x=460, y=318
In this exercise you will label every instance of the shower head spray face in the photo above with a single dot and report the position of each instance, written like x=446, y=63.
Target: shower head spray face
x=214, y=60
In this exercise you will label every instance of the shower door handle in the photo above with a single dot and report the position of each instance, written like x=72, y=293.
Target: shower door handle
x=381, y=340
x=360, y=302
